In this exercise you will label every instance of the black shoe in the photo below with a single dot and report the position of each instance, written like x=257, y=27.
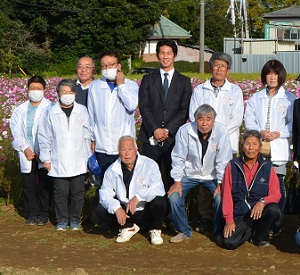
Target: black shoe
x=41, y=220
x=31, y=221
x=260, y=243
x=205, y=226
x=275, y=231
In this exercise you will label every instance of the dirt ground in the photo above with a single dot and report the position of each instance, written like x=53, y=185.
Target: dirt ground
x=41, y=250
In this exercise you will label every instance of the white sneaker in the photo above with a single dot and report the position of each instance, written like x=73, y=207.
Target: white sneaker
x=155, y=236
x=127, y=233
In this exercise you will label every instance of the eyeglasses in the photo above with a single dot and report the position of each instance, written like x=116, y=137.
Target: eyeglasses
x=109, y=66
x=87, y=67
x=220, y=67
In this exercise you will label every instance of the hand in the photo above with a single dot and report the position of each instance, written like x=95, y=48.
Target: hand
x=131, y=206
x=47, y=166
x=176, y=187
x=217, y=191
x=265, y=134
x=229, y=229
x=29, y=154
x=160, y=134
x=121, y=216
x=120, y=78
x=257, y=210
x=274, y=135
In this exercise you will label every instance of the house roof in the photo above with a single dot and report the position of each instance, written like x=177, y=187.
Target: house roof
x=291, y=12
x=165, y=28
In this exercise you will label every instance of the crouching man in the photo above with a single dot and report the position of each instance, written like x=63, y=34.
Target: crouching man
x=201, y=152
x=132, y=194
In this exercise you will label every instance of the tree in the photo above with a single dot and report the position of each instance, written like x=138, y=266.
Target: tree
x=87, y=26
x=217, y=26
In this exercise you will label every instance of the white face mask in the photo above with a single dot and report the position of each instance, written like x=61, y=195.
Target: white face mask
x=110, y=74
x=36, y=95
x=67, y=99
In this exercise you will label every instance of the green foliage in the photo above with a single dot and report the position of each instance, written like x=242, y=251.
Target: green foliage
x=181, y=66
x=84, y=27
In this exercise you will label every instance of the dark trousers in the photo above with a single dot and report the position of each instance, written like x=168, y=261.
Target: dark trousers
x=161, y=154
x=151, y=216
x=37, y=190
x=247, y=228
x=105, y=160
x=69, y=198
x=282, y=200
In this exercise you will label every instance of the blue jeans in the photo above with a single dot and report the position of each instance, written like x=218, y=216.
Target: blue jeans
x=177, y=203
x=297, y=238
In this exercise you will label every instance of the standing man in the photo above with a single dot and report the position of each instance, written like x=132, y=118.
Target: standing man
x=132, y=194
x=85, y=71
x=200, y=155
x=164, y=99
x=111, y=104
x=227, y=100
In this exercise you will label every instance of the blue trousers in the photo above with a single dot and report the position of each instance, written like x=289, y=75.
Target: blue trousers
x=177, y=203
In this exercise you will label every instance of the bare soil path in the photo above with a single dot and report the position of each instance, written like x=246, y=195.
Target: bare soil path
x=41, y=250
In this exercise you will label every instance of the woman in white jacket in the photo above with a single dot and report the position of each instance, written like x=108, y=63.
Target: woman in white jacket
x=24, y=123
x=65, y=146
x=270, y=111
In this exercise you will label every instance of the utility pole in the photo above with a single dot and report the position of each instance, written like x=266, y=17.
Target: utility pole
x=201, y=43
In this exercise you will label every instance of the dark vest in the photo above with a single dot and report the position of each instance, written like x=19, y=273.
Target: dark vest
x=245, y=198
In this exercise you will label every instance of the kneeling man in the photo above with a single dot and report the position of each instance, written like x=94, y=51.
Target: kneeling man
x=201, y=152
x=132, y=193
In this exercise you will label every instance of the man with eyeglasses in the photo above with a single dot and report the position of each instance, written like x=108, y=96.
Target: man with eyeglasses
x=85, y=70
x=112, y=101
x=227, y=100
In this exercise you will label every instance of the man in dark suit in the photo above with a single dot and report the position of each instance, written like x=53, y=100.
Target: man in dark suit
x=164, y=98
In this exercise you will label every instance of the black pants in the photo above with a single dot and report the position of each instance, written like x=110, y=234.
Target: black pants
x=105, y=161
x=161, y=154
x=247, y=228
x=151, y=216
x=37, y=190
x=69, y=198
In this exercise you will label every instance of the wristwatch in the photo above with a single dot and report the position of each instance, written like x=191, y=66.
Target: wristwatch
x=262, y=200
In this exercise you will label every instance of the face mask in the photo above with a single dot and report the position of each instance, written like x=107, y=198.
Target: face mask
x=36, y=95
x=110, y=74
x=67, y=99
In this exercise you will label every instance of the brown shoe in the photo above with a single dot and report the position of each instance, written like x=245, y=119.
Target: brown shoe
x=179, y=238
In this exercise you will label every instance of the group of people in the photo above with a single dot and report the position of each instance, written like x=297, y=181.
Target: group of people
x=189, y=139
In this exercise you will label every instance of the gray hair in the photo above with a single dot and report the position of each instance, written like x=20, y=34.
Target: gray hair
x=220, y=56
x=205, y=109
x=127, y=138
x=93, y=61
x=252, y=133
x=66, y=82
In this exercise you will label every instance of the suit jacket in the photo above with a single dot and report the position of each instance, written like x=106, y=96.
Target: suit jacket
x=159, y=114
x=296, y=130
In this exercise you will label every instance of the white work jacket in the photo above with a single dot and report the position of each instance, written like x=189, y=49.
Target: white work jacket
x=18, y=124
x=281, y=120
x=146, y=184
x=187, y=153
x=112, y=113
x=228, y=104
x=65, y=142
